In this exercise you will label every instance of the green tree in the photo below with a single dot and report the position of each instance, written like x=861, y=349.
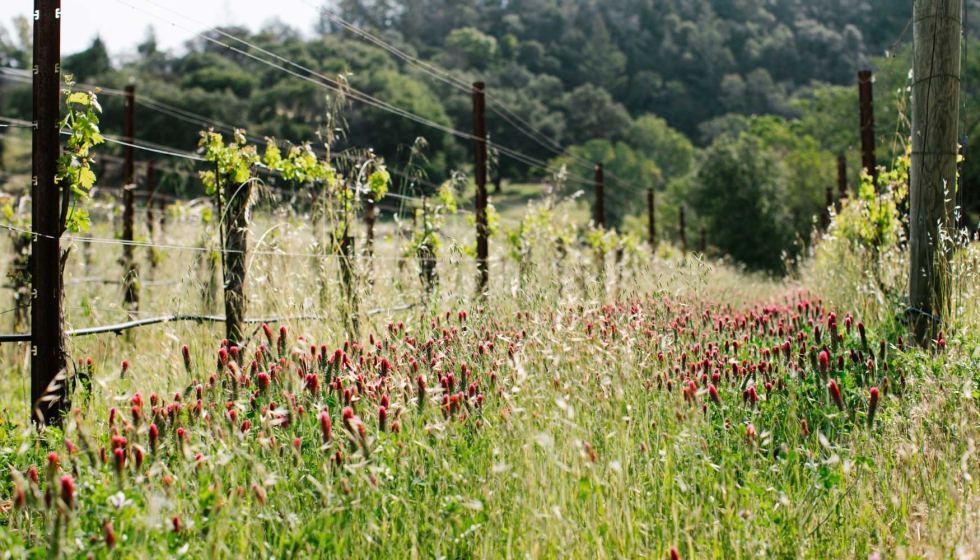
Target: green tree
x=474, y=48
x=673, y=153
x=390, y=135
x=16, y=46
x=809, y=170
x=589, y=55
x=730, y=124
x=741, y=195
x=829, y=114
x=92, y=62
x=550, y=125
x=591, y=112
x=219, y=79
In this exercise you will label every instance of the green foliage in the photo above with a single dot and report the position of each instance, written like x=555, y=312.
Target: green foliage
x=231, y=163
x=432, y=217
x=626, y=170
x=601, y=240
x=742, y=195
x=378, y=183
x=543, y=227
x=827, y=115
x=531, y=106
x=300, y=165
x=809, y=169
x=589, y=54
x=389, y=134
x=872, y=219
x=74, y=171
x=476, y=48
x=673, y=153
x=756, y=93
x=591, y=113
x=89, y=63
x=862, y=259
x=214, y=73
x=729, y=124
x=16, y=45
x=536, y=220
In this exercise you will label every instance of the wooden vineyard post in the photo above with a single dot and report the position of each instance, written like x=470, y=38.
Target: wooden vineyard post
x=867, y=116
x=704, y=241
x=151, y=192
x=348, y=278
x=49, y=391
x=480, y=175
x=130, y=281
x=618, y=257
x=964, y=140
x=370, y=211
x=932, y=169
x=600, y=209
x=683, y=237
x=237, y=197
x=162, y=206
x=428, y=272
x=651, y=220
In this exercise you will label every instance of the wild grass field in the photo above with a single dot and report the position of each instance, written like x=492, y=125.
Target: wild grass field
x=661, y=407
x=746, y=386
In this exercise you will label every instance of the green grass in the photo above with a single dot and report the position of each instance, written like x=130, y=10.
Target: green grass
x=570, y=445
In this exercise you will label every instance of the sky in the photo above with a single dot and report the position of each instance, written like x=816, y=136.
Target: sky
x=123, y=24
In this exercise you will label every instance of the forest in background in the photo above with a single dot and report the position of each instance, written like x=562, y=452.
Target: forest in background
x=734, y=108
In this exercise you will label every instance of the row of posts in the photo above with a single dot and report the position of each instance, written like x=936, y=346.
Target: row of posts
x=48, y=355
x=867, y=135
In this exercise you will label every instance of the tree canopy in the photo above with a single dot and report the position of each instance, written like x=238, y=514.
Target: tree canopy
x=656, y=90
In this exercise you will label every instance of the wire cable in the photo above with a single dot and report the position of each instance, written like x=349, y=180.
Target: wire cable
x=135, y=243
x=331, y=83
x=445, y=76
